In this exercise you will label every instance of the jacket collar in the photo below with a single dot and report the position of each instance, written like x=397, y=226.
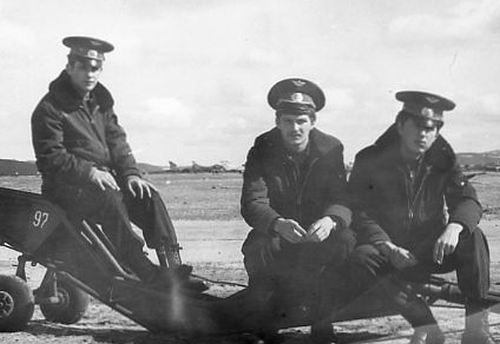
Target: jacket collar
x=65, y=95
x=439, y=157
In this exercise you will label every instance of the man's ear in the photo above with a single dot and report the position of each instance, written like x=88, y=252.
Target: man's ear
x=276, y=120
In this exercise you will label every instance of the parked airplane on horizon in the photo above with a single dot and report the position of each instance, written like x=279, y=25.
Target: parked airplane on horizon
x=224, y=166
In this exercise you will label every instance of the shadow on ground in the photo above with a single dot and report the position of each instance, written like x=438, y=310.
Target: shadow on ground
x=137, y=336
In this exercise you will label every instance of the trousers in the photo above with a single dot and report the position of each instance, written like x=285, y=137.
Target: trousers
x=304, y=279
x=470, y=261
x=114, y=211
x=268, y=256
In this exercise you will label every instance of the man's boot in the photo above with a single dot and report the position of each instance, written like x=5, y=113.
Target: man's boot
x=419, y=315
x=415, y=310
x=427, y=335
x=322, y=332
x=333, y=288
x=476, y=324
x=266, y=299
x=172, y=270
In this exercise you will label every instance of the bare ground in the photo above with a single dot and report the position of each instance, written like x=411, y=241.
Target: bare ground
x=212, y=247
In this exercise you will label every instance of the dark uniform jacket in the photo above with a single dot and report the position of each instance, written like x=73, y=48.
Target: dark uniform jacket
x=274, y=187
x=390, y=204
x=71, y=136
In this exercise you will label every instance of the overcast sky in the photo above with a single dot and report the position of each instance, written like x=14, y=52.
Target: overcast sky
x=190, y=77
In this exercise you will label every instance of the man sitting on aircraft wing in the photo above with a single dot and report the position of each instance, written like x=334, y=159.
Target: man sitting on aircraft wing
x=88, y=169
x=417, y=214
x=293, y=197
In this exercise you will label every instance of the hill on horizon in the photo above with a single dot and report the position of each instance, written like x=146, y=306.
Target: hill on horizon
x=479, y=159
x=12, y=167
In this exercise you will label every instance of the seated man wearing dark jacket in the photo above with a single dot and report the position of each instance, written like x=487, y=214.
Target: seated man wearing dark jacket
x=293, y=197
x=88, y=168
x=417, y=214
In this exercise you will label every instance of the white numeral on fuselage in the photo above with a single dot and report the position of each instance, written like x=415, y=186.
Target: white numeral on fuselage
x=40, y=218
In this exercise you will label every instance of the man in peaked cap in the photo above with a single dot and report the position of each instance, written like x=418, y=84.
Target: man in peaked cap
x=88, y=168
x=294, y=199
x=416, y=214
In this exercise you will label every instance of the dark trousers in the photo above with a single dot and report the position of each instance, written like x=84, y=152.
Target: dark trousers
x=470, y=260
x=271, y=257
x=299, y=276
x=114, y=210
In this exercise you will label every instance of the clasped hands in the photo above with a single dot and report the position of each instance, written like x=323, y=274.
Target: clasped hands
x=292, y=231
x=137, y=186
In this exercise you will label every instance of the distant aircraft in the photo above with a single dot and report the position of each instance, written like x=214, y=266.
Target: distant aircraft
x=173, y=167
x=231, y=167
x=217, y=168
x=195, y=168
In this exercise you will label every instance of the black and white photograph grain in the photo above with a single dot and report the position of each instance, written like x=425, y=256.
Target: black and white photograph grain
x=250, y=172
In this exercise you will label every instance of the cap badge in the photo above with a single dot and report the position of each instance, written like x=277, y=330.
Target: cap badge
x=92, y=54
x=298, y=97
x=427, y=112
x=298, y=83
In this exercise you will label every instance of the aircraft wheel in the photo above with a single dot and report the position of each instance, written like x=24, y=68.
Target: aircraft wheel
x=16, y=303
x=72, y=305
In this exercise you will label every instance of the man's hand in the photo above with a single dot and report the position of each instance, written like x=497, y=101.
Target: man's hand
x=103, y=179
x=290, y=230
x=321, y=229
x=139, y=187
x=369, y=257
x=399, y=257
x=447, y=242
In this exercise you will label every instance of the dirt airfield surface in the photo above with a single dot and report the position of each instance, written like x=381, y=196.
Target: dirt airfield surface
x=213, y=248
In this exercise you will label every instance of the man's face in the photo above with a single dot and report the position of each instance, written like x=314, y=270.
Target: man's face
x=416, y=137
x=84, y=75
x=295, y=130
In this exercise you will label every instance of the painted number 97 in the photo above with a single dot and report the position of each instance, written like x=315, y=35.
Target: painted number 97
x=40, y=219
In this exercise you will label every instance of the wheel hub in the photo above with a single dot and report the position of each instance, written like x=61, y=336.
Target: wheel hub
x=63, y=297
x=6, y=304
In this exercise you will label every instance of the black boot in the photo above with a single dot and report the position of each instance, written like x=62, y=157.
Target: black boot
x=172, y=269
x=179, y=276
x=476, y=324
x=415, y=310
x=173, y=255
x=333, y=288
x=430, y=334
x=322, y=332
x=419, y=315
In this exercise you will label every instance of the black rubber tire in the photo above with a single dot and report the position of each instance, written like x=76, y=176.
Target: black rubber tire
x=73, y=305
x=16, y=303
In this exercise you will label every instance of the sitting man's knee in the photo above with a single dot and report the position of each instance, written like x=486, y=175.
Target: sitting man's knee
x=111, y=197
x=259, y=252
x=347, y=237
x=366, y=259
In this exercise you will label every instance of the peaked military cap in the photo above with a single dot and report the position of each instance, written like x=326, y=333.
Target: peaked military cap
x=296, y=91
x=87, y=47
x=425, y=106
